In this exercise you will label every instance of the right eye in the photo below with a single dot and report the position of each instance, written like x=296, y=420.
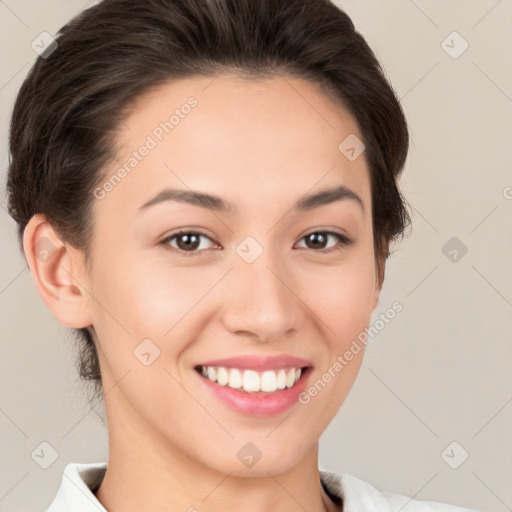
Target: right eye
x=187, y=242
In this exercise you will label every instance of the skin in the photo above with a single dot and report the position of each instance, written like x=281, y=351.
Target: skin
x=261, y=145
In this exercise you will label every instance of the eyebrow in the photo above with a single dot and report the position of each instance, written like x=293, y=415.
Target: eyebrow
x=216, y=203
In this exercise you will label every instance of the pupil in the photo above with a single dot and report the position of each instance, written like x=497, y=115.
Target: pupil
x=188, y=244
x=315, y=237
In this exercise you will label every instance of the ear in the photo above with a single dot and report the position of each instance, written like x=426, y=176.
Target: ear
x=58, y=273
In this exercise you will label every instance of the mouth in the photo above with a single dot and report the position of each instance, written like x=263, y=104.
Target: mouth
x=266, y=382
x=255, y=385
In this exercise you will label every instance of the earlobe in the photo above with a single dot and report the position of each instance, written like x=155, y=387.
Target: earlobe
x=58, y=273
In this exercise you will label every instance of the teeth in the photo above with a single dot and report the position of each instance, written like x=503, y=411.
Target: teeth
x=251, y=381
x=212, y=373
x=268, y=381
x=281, y=379
x=290, y=378
x=222, y=376
x=235, y=379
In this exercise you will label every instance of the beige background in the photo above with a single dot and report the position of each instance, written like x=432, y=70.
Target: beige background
x=439, y=372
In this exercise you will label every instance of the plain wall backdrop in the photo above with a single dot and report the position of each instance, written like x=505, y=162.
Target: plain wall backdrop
x=430, y=414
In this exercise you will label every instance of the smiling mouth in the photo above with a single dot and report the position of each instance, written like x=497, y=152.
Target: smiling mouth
x=251, y=381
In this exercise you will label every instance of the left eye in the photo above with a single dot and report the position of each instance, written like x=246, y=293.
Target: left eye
x=190, y=241
x=321, y=237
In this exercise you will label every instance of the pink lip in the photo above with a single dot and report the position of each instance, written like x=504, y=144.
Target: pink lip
x=258, y=404
x=259, y=363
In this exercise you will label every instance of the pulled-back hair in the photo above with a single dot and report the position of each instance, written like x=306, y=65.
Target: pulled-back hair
x=69, y=110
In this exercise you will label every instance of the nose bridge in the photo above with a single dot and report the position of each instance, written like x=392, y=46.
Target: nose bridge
x=261, y=301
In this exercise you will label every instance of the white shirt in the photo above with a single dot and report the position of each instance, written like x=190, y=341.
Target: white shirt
x=80, y=481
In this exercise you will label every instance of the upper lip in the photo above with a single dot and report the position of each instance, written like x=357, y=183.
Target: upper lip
x=249, y=362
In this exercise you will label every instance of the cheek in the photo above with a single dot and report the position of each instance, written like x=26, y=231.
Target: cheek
x=342, y=297
x=137, y=299
x=143, y=296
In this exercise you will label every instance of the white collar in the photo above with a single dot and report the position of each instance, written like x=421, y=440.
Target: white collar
x=80, y=481
x=76, y=491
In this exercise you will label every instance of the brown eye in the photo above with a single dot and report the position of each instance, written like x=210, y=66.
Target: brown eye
x=319, y=239
x=187, y=241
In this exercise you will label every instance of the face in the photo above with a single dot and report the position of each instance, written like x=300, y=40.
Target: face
x=256, y=278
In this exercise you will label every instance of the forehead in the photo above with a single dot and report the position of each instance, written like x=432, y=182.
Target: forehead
x=245, y=140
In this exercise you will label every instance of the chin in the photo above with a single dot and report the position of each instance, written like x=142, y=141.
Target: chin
x=257, y=459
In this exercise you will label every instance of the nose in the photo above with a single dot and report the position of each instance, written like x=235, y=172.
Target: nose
x=262, y=301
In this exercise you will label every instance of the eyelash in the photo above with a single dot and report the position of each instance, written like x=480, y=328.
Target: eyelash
x=344, y=241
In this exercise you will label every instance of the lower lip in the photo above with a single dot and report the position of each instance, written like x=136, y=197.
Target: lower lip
x=256, y=404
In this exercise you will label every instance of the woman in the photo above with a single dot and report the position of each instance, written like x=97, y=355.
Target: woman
x=206, y=192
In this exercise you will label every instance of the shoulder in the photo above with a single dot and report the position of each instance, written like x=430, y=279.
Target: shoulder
x=359, y=495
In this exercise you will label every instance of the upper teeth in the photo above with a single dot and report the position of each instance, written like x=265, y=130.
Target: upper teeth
x=252, y=381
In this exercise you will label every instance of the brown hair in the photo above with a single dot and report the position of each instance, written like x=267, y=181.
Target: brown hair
x=69, y=108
